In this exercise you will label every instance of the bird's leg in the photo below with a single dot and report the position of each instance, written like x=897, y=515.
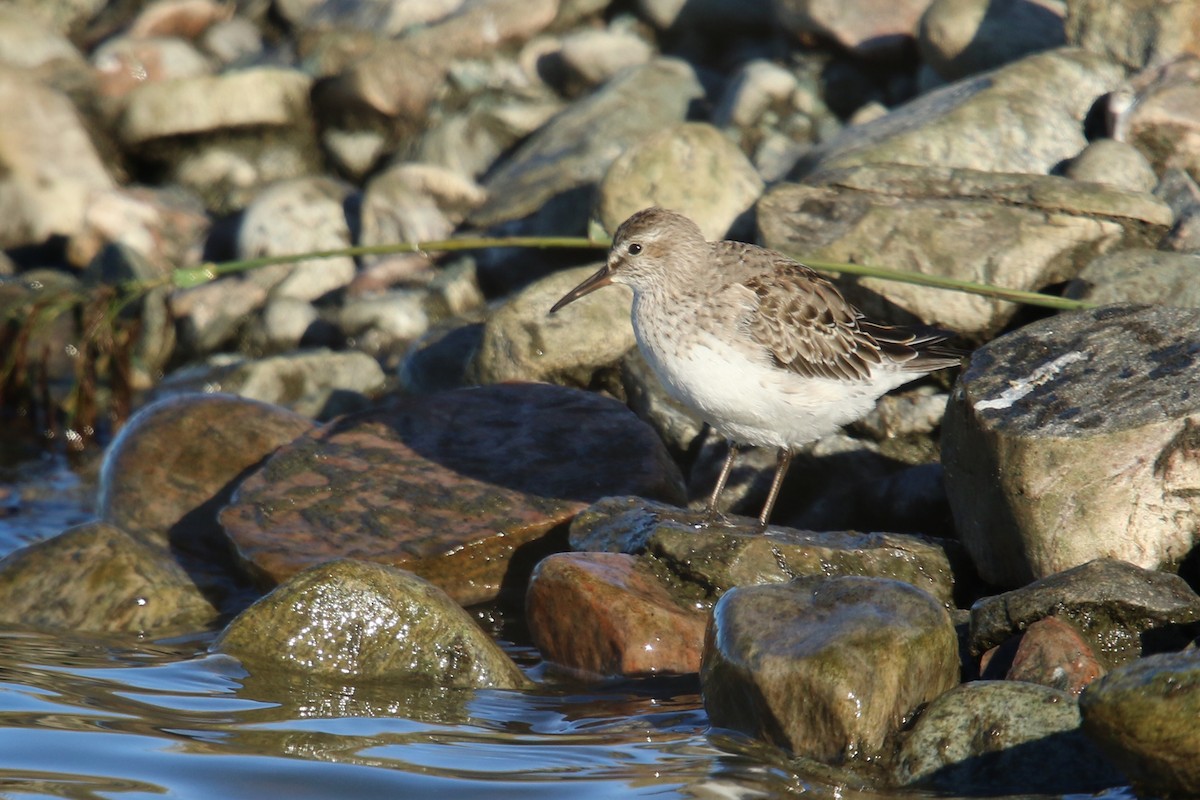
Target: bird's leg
x=711, y=512
x=782, y=462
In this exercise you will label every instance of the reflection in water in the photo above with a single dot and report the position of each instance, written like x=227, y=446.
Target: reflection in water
x=84, y=717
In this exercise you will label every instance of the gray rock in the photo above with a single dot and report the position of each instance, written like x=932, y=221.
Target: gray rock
x=1139, y=276
x=297, y=216
x=971, y=123
x=523, y=341
x=27, y=42
x=48, y=163
x=1144, y=715
x=384, y=18
x=828, y=668
x=316, y=383
x=692, y=168
x=282, y=325
x=381, y=324
x=1003, y=737
x=1114, y=164
x=1070, y=439
x=469, y=142
x=590, y=57
x=1134, y=33
x=961, y=37
x=65, y=16
x=165, y=227
x=95, y=577
x=231, y=41
x=1016, y=230
x=441, y=359
x=1163, y=120
x=206, y=136
x=1123, y=612
x=866, y=29
x=354, y=619
x=211, y=314
x=753, y=89
x=556, y=170
x=710, y=15
x=124, y=63
x=716, y=558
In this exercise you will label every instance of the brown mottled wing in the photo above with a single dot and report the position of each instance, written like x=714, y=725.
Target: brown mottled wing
x=807, y=326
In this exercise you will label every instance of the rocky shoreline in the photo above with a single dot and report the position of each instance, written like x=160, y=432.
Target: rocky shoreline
x=988, y=586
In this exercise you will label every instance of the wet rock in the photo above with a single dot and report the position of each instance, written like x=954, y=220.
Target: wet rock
x=967, y=124
x=48, y=163
x=828, y=668
x=1072, y=439
x=961, y=37
x=316, y=383
x=176, y=463
x=609, y=614
x=866, y=29
x=949, y=222
x=1121, y=611
x=352, y=618
x=205, y=136
x=297, y=216
x=1115, y=164
x=1134, y=33
x=522, y=341
x=555, y=172
x=1144, y=715
x=96, y=577
x=719, y=557
x=1139, y=275
x=1003, y=737
x=692, y=168
x=460, y=487
x=1053, y=653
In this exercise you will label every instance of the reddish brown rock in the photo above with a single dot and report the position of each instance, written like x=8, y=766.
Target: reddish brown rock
x=1053, y=654
x=460, y=487
x=608, y=613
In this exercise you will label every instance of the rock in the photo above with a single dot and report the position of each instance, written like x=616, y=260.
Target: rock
x=441, y=359
x=1121, y=611
x=1003, y=737
x=316, y=383
x=961, y=37
x=188, y=19
x=298, y=216
x=717, y=558
x=282, y=326
x=211, y=314
x=204, y=134
x=971, y=123
x=1144, y=715
x=386, y=19
x=48, y=163
x=1179, y=191
x=470, y=142
x=1134, y=33
x=1053, y=653
x=720, y=16
x=590, y=57
x=400, y=77
x=522, y=341
x=866, y=29
x=1139, y=275
x=461, y=487
x=553, y=175
x=1114, y=164
x=95, y=577
x=828, y=668
x=1163, y=121
x=384, y=324
x=1072, y=439
x=176, y=463
x=753, y=90
x=1013, y=230
x=692, y=168
x=233, y=41
x=609, y=614
x=27, y=42
x=163, y=226
x=124, y=63
x=353, y=619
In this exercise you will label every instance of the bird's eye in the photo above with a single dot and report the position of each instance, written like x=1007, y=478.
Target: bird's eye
x=634, y=249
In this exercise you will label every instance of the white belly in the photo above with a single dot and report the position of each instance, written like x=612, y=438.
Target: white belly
x=755, y=402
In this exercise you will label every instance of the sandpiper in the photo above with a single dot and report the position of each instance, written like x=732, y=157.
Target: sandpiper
x=765, y=350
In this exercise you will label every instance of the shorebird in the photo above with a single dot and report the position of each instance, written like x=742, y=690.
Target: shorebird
x=762, y=348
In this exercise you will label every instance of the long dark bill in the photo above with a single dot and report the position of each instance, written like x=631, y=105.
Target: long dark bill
x=603, y=277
